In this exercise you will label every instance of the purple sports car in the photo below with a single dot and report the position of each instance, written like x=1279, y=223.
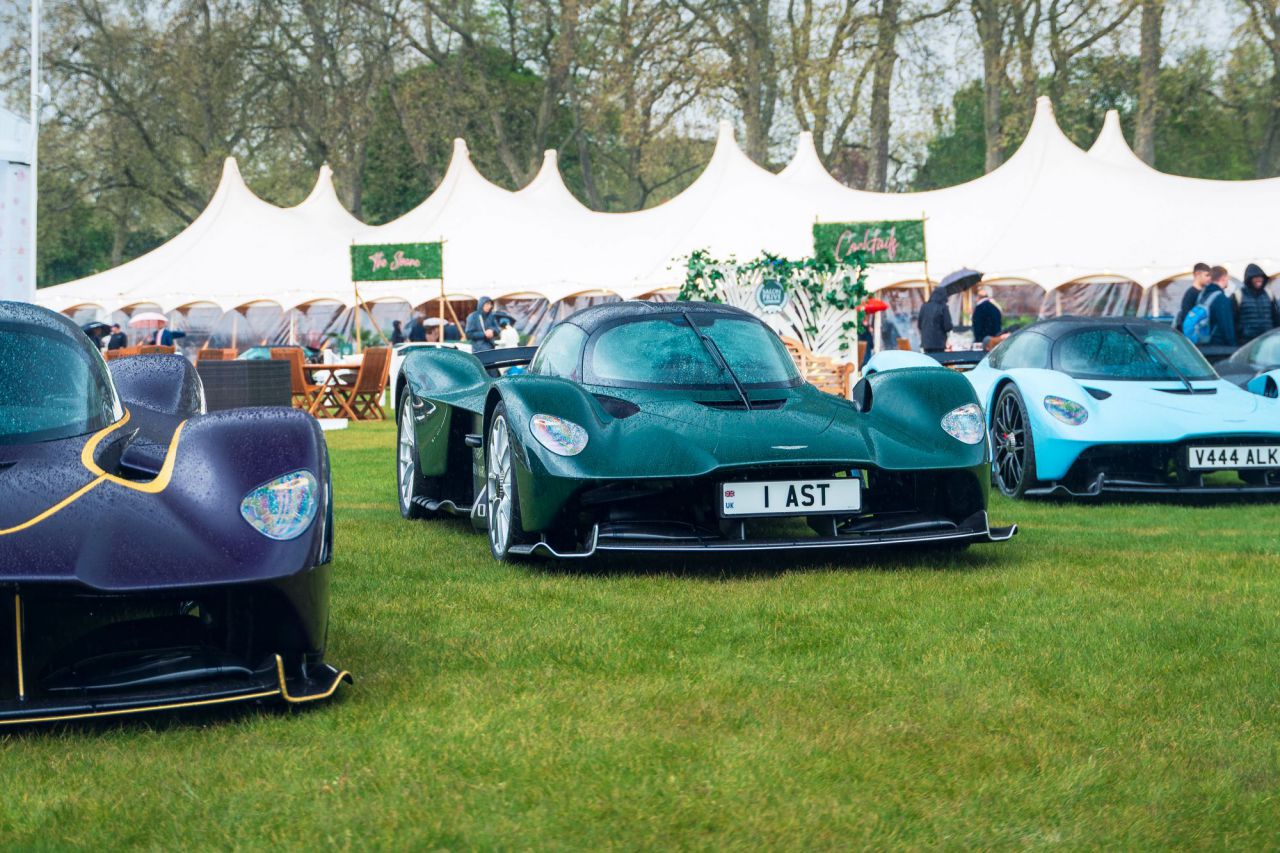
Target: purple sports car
x=152, y=556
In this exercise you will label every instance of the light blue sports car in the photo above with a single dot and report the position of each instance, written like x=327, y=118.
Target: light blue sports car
x=1086, y=405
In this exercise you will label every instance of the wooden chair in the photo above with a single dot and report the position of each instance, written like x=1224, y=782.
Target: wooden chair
x=152, y=349
x=824, y=373
x=362, y=399
x=904, y=344
x=123, y=352
x=304, y=392
x=214, y=354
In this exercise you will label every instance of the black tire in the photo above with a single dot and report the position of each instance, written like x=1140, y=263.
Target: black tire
x=503, y=509
x=410, y=483
x=1013, y=452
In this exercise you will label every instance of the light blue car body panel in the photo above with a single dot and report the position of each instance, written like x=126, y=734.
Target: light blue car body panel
x=1137, y=412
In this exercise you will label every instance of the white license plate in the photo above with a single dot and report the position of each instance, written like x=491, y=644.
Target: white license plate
x=791, y=497
x=1241, y=456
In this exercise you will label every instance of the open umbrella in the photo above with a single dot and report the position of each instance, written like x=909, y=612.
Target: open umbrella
x=960, y=281
x=148, y=320
x=95, y=328
x=874, y=306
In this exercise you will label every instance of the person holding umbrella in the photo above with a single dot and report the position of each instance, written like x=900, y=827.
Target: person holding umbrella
x=935, y=316
x=156, y=327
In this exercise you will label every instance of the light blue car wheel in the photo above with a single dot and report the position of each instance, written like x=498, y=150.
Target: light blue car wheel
x=1013, y=458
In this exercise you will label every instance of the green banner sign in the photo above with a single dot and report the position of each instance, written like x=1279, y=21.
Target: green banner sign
x=891, y=242
x=395, y=261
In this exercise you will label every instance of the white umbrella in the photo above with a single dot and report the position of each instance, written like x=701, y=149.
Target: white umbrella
x=148, y=320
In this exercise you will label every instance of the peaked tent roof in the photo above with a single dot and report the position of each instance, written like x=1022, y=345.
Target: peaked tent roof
x=1050, y=214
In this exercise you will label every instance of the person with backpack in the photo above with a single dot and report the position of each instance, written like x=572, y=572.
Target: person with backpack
x=1211, y=321
x=1199, y=278
x=1256, y=311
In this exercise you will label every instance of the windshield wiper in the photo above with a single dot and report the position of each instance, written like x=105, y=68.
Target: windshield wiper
x=718, y=357
x=1152, y=349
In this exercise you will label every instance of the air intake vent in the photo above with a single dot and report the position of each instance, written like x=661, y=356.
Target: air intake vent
x=1098, y=393
x=1185, y=392
x=616, y=406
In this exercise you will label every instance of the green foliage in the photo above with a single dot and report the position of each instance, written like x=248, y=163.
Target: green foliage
x=841, y=286
x=1209, y=125
x=425, y=108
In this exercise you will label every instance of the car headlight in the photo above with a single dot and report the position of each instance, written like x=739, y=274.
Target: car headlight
x=1068, y=411
x=965, y=424
x=283, y=508
x=558, y=435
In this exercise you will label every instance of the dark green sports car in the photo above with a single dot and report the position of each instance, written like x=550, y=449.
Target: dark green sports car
x=685, y=427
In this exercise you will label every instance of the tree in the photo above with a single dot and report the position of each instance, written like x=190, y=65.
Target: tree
x=1144, y=135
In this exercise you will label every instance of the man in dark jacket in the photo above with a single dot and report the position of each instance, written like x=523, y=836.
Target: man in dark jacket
x=482, y=327
x=1199, y=278
x=1256, y=312
x=417, y=329
x=988, y=320
x=935, y=322
x=117, y=339
x=1222, y=320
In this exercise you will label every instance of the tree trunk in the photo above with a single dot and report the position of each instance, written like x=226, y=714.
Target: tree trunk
x=1144, y=135
x=986, y=15
x=761, y=83
x=881, y=86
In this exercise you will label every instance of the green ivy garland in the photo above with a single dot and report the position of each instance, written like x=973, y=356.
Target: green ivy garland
x=821, y=279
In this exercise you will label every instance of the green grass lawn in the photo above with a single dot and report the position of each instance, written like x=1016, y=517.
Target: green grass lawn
x=1109, y=677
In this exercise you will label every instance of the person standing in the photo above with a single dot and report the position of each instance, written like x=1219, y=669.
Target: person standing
x=1222, y=321
x=988, y=319
x=164, y=337
x=482, y=327
x=417, y=329
x=1199, y=279
x=397, y=333
x=117, y=339
x=1256, y=311
x=935, y=322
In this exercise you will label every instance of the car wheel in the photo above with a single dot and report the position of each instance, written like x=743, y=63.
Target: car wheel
x=1013, y=458
x=409, y=480
x=504, y=503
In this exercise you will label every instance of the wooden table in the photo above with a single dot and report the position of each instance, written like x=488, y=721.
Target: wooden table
x=328, y=399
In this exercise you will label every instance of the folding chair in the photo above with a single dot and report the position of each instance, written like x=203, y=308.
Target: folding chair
x=362, y=399
x=304, y=392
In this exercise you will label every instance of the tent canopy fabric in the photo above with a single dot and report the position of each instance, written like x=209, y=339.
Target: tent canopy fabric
x=1051, y=215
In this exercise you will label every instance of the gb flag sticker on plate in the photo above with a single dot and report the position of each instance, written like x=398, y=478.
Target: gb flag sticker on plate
x=791, y=497
x=1235, y=457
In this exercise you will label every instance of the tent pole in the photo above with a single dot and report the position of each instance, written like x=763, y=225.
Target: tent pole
x=235, y=328
x=924, y=244
x=356, y=288
x=35, y=143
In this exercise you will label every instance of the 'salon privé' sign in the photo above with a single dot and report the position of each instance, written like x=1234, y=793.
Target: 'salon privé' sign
x=394, y=261
x=896, y=241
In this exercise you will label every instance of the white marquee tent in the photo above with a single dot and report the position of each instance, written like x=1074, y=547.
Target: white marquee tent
x=1051, y=218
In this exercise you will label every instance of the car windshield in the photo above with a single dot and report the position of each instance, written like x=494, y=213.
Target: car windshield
x=1133, y=353
x=51, y=387
x=666, y=353
x=1265, y=352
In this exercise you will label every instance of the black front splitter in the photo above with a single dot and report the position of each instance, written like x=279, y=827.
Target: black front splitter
x=889, y=538
x=320, y=682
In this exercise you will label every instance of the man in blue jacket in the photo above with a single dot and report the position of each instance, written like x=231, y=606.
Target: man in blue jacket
x=1222, y=319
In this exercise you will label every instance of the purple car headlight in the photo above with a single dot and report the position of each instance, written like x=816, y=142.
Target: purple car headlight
x=1067, y=411
x=965, y=423
x=283, y=508
x=558, y=435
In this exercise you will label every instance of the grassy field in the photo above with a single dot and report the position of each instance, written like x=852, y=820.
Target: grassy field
x=1108, y=678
